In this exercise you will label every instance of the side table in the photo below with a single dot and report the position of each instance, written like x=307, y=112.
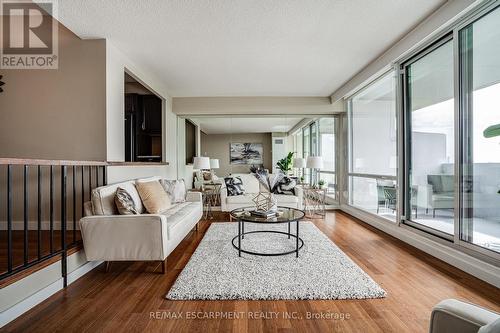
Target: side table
x=314, y=201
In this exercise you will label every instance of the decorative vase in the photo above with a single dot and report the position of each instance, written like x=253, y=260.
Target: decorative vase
x=265, y=201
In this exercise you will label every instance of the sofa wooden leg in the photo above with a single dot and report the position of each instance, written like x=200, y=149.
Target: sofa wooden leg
x=164, y=266
x=107, y=266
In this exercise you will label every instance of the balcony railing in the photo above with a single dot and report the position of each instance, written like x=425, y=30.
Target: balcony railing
x=42, y=200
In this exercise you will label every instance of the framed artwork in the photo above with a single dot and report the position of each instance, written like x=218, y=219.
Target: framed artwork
x=246, y=153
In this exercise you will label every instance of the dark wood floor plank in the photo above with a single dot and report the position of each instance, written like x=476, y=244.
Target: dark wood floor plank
x=124, y=298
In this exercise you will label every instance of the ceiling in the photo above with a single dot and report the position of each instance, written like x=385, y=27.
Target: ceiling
x=248, y=48
x=226, y=125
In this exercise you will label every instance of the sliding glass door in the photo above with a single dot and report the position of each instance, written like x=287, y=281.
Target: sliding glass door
x=480, y=105
x=430, y=139
x=448, y=98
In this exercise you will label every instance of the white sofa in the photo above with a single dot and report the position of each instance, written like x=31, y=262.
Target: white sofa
x=251, y=186
x=108, y=236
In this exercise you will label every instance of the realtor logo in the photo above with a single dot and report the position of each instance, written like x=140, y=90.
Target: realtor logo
x=28, y=35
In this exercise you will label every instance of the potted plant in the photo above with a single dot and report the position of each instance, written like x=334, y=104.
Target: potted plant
x=490, y=132
x=302, y=179
x=285, y=164
x=321, y=183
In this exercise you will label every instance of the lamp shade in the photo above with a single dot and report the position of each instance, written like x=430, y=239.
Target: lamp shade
x=299, y=162
x=201, y=163
x=314, y=162
x=214, y=163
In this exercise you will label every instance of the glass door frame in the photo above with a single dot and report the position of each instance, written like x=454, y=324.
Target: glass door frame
x=406, y=146
x=462, y=109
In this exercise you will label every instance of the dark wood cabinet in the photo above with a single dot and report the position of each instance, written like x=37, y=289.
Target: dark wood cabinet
x=143, y=128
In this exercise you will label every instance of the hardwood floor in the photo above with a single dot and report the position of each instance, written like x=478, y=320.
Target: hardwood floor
x=131, y=296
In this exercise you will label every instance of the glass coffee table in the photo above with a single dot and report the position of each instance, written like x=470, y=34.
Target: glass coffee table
x=285, y=216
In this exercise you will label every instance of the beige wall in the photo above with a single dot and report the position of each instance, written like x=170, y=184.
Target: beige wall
x=61, y=113
x=217, y=146
x=116, y=64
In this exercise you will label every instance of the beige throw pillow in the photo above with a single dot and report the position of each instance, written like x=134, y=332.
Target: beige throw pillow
x=154, y=198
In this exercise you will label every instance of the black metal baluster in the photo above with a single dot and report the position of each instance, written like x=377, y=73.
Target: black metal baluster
x=90, y=180
x=63, y=225
x=9, y=218
x=39, y=213
x=51, y=209
x=104, y=175
x=96, y=176
x=74, y=203
x=25, y=213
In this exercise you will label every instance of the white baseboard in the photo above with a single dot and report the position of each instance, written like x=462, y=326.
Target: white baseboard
x=82, y=270
x=28, y=303
x=15, y=311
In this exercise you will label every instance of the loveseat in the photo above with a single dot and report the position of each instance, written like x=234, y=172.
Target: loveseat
x=251, y=189
x=439, y=193
x=108, y=236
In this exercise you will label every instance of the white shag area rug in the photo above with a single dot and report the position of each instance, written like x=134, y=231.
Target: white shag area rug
x=322, y=270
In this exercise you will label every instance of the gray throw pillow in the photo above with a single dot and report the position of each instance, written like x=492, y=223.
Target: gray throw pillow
x=176, y=189
x=125, y=203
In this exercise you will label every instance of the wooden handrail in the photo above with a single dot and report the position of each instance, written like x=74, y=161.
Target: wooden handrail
x=28, y=161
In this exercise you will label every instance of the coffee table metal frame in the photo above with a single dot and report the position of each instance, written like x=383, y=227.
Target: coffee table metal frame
x=241, y=219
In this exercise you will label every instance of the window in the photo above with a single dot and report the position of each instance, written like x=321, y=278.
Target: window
x=306, y=146
x=327, y=151
x=372, y=148
x=297, y=148
x=449, y=93
x=430, y=139
x=480, y=198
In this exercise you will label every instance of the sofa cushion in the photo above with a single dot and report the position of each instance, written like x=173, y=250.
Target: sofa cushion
x=285, y=198
x=103, y=198
x=248, y=197
x=441, y=183
x=124, y=202
x=154, y=197
x=176, y=189
x=234, y=186
x=245, y=198
x=179, y=214
x=249, y=181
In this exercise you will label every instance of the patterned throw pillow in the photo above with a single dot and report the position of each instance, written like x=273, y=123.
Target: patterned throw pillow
x=125, y=203
x=286, y=186
x=176, y=189
x=234, y=186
